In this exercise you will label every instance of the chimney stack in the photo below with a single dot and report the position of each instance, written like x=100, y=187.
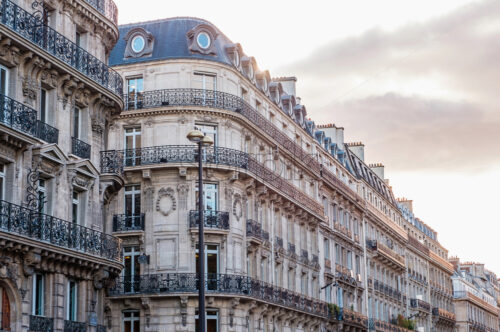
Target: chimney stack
x=335, y=133
x=378, y=169
x=407, y=203
x=288, y=84
x=358, y=149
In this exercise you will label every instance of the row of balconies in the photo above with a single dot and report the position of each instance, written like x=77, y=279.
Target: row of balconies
x=417, y=277
x=386, y=253
x=440, y=289
x=384, y=289
x=30, y=27
x=347, y=275
x=41, y=323
x=346, y=232
x=442, y=313
x=378, y=325
x=218, y=284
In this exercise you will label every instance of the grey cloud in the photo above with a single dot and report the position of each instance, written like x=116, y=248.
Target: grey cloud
x=417, y=131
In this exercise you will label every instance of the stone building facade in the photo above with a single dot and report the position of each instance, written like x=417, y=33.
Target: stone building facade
x=56, y=94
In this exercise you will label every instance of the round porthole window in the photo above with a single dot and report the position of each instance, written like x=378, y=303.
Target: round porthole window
x=138, y=43
x=203, y=40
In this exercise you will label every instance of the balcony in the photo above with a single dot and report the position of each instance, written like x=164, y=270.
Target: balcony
x=265, y=235
x=387, y=290
x=114, y=162
x=386, y=255
x=443, y=314
x=18, y=220
x=212, y=219
x=32, y=29
x=279, y=243
x=126, y=223
x=465, y=295
x=417, y=245
x=378, y=325
x=221, y=284
x=107, y=8
x=254, y=231
x=22, y=118
x=80, y=148
x=354, y=318
x=420, y=304
x=72, y=326
x=41, y=324
x=304, y=256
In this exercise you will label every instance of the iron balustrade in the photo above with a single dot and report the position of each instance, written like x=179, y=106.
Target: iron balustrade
x=254, y=229
x=241, y=285
x=127, y=223
x=265, y=235
x=304, y=256
x=420, y=304
x=114, y=162
x=34, y=225
x=80, y=148
x=221, y=100
x=41, y=324
x=24, y=119
x=212, y=219
x=32, y=28
x=107, y=8
x=72, y=326
x=47, y=133
x=101, y=328
x=291, y=248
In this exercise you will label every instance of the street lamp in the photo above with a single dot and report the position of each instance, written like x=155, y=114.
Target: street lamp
x=199, y=138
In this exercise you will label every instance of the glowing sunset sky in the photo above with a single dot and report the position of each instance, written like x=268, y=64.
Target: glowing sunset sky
x=416, y=81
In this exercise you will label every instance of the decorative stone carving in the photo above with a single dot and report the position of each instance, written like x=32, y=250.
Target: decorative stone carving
x=146, y=50
x=166, y=203
x=97, y=126
x=148, y=198
x=195, y=46
x=30, y=89
x=237, y=207
x=99, y=278
x=184, y=303
x=49, y=77
x=31, y=260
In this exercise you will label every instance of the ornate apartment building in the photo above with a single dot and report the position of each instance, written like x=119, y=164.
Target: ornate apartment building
x=99, y=191
x=56, y=94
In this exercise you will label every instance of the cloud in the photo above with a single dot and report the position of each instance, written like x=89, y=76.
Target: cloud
x=421, y=96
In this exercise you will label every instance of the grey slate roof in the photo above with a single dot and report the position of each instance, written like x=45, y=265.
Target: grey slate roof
x=170, y=41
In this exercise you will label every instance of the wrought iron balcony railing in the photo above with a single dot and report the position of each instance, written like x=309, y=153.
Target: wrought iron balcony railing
x=265, y=235
x=72, y=326
x=279, y=242
x=37, y=226
x=442, y=313
x=126, y=223
x=107, y=8
x=23, y=118
x=254, y=229
x=420, y=304
x=241, y=285
x=114, y=161
x=41, y=324
x=80, y=148
x=31, y=28
x=101, y=328
x=212, y=219
x=291, y=248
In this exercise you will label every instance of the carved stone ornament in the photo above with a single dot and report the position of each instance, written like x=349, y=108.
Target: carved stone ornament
x=166, y=203
x=201, y=39
x=100, y=278
x=30, y=89
x=31, y=260
x=237, y=207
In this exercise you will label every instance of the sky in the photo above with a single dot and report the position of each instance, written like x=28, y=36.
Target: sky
x=415, y=81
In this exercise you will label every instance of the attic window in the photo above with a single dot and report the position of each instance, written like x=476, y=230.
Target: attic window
x=203, y=40
x=138, y=44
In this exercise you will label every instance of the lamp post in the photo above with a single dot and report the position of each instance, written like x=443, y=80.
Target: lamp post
x=201, y=140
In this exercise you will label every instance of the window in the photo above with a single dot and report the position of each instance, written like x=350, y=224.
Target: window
x=132, y=270
x=203, y=40
x=72, y=301
x=211, y=265
x=77, y=122
x=138, y=43
x=77, y=213
x=131, y=321
x=291, y=279
x=211, y=319
x=42, y=196
x=135, y=89
x=338, y=258
x=132, y=144
x=2, y=181
x=4, y=80
x=328, y=291
x=207, y=83
x=43, y=105
x=38, y=292
x=210, y=198
x=327, y=248
x=132, y=206
x=78, y=39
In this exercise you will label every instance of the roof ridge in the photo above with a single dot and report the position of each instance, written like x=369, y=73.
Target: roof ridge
x=166, y=19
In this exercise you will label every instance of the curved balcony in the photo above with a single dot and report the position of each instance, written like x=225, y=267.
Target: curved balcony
x=22, y=118
x=126, y=223
x=254, y=230
x=223, y=284
x=212, y=219
x=29, y=27
x=114, y=162
x=33, y=225
x=107, y=8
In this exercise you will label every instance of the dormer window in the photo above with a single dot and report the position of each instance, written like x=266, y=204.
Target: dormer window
x=138, y=43
x=203, y=40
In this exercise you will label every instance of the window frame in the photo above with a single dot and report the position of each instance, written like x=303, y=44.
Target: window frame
x=72, y=296
x=38, y=295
